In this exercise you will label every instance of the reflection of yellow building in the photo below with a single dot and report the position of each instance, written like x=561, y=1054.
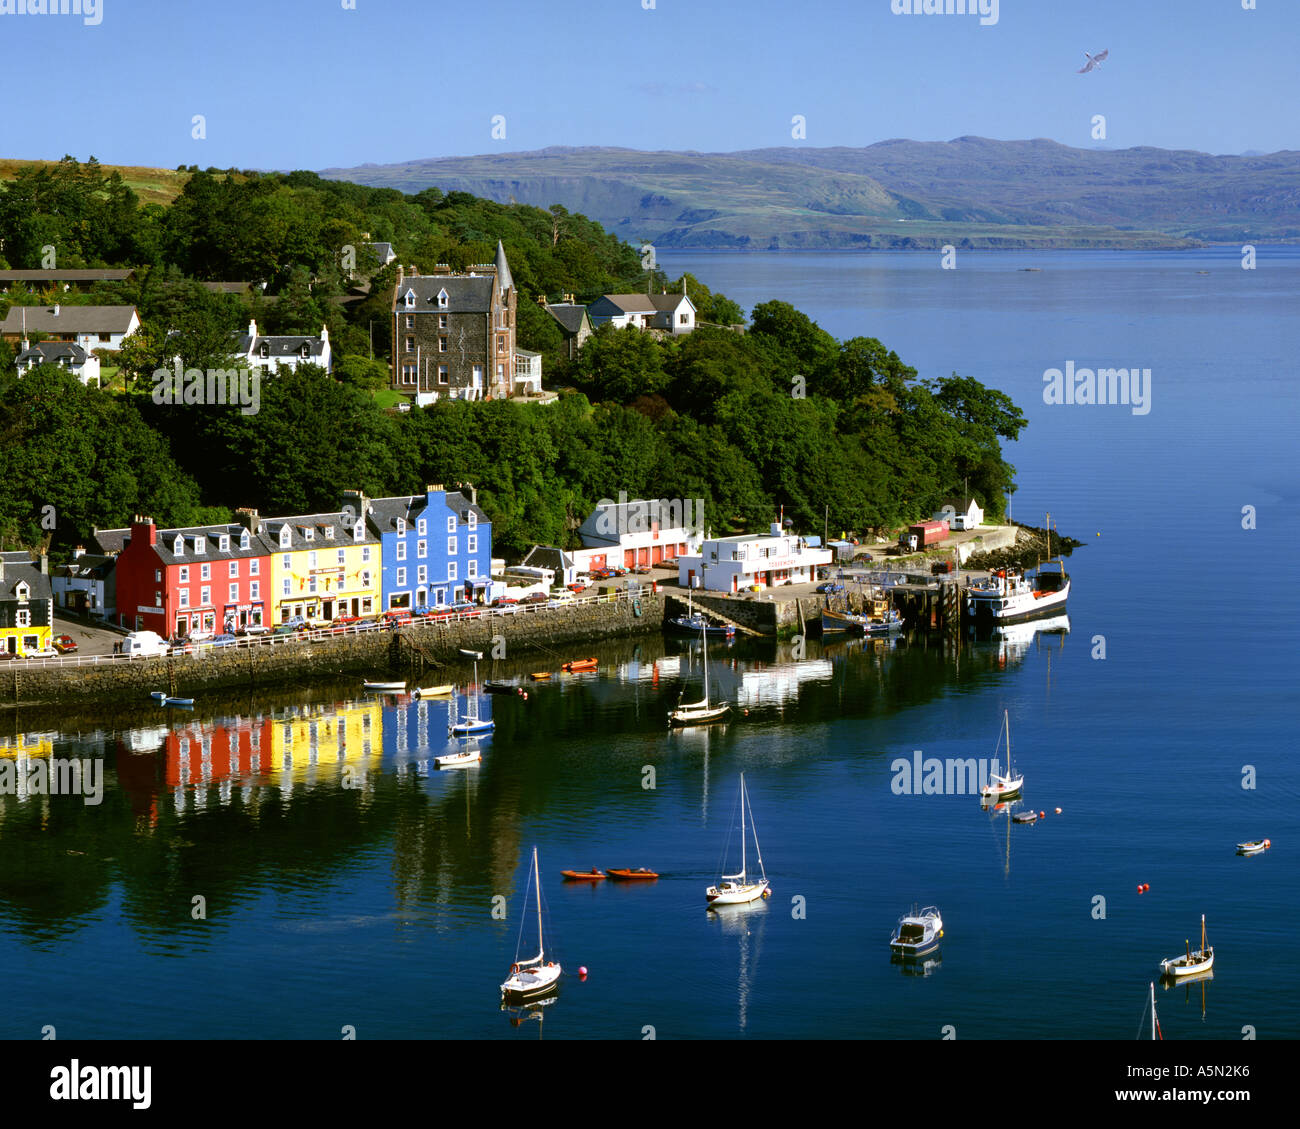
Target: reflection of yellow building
x=323, y=566
x=323, y=742
x=27, y=745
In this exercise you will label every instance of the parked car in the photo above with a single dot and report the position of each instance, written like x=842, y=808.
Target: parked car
x=535, y=598
x=5, y=656
x=396, y=617
x=64, y=644
x=44, y=653
x=830, y=586
x=254, y=629
x=561, y=596
x=223, y=640
x=467, y=609
x=504, y=601
x=642, y=570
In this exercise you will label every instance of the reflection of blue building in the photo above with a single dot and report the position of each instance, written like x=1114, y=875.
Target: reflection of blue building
x=436, y=547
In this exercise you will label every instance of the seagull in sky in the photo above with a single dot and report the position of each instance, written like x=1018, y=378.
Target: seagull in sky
x=1093, y=62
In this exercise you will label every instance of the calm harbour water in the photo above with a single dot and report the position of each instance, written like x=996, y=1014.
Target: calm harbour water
x=329, y=905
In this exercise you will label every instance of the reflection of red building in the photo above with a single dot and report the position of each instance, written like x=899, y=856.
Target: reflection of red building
x=211, y=578
x=212, y=754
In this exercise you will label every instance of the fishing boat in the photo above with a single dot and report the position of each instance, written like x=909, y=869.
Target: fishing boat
x=462, y=759
x=592, y=875
x=471, y=723
x=693, y=622
x=1254, y=847
x=385, y=687
x=580, y=665
x=917, y=933
x=693, y=713
x=1009, y=596
x=737, y=889
x=1008, y=786
x=623, y=874
x=536, y=976
x=1193, y=962
x=433, y=691
x=836, y=623
x=882, y=617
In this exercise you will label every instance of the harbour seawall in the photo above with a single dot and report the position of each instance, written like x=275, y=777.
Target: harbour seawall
x=410, y=651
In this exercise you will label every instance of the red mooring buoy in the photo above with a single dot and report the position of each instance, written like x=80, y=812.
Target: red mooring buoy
x=582, y=973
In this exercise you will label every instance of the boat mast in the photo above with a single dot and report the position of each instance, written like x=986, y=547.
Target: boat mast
x=742, y=828
x=541, y=950
x=1202, y=936
x=704, y=642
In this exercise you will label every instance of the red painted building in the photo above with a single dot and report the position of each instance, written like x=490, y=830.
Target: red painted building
x=207, y=579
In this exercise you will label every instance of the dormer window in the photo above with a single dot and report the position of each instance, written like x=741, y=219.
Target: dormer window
x=471, y=519
x=243, y=541
x=329, y=533
x=178, y=546
x=359, y=531
x=442, y=299
x=306, y=350
x=223, y=543
x=285, y=536
x=22, y=592
x=265, y=350
x=409, y=299
x=200, y=545
x=401, y=526
x=309, y=534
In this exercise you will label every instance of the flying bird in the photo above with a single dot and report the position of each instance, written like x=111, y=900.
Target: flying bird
x=1093, y=62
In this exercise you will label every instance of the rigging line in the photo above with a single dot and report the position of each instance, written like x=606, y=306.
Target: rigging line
x=726, y=846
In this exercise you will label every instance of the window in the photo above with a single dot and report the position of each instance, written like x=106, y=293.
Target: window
x=243, y=541
x=410, y=321
x=234, y=568
x=401, y=577
x=501, y=343
x=451, y=572
x=401, y=526
x=329, y=533
x=365, y=580
x=471, y=519
x=410, y=344
x=422, y=575
x=409, y=298
x=223, y=543
x=451, y=546
x=444, y=375
x=471, y=543
x=442, y=344
x=359, y=533
x=401, y=550
x=442, y=321
x=343, y=557
x=205, y=596
x=422, y=549
x=184, y=576
x=311, y=584
x=200, y=545
x=254, y=590
x=442, y=299
x=234, y=594
x=254, y=567
x=451, y=524
x=472, y=569
x=421, y=527
x=286, y=535
x=205, y=572
x=408, y=374
x=185, y=598
x=157, y=576
x=284, y=589
x=365, y=552
x=284, y=561
x=311, y=560
x=309, y=533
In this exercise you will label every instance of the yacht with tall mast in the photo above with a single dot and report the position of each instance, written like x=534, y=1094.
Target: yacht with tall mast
x=736, y=889
x=535, y=976
x=693, y=713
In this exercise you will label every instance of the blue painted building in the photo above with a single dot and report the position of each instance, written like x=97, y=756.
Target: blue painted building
x=435, y=547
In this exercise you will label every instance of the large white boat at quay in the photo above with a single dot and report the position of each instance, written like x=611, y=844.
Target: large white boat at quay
x=1009, y=596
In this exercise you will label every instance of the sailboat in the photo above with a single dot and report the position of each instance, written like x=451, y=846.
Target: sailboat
x=1005, y=787
x=735, y=889
x=471, y=722
x=1195, y=961
x=536, y=976
x=692, y=713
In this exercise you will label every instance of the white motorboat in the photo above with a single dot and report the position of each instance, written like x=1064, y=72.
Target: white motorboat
x=1254, y=847
x=1192, y=963
x=536, y=976
x=917, y=933
x=693, y=713
x=1009, y=596
x=1008, y=785
x=736, y=889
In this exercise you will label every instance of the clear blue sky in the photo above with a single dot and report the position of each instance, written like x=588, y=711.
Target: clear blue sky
x=310, y=84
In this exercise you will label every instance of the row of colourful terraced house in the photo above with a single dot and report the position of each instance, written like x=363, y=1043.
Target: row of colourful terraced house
x=368, y=557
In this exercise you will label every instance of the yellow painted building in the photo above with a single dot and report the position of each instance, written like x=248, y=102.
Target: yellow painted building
x=26, y=604
x=323, y=566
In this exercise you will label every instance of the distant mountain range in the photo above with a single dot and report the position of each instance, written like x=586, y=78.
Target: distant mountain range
x=972, y=192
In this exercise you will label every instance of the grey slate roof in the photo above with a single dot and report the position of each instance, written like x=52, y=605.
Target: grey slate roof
x=569, y=316
x=547, y=556
x=88, y=275
x=70, y=319
x=503, y=269
x=284, y=346
x=20, y=568
x=112, y=541
x=96, y=565
x=382, y=514
x=270, y=527
x=462, y=507
x=53, y=353
x=465, y=294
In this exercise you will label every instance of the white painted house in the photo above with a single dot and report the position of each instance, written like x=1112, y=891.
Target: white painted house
x=960, y=514
x=269, y=353
x=732, y=564
x=76, y=360
x=91, y=327
x=673, y=313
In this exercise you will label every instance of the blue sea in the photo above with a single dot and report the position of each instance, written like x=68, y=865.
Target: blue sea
x=342, y=881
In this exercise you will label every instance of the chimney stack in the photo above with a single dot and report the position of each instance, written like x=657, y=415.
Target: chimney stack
x=247, y=518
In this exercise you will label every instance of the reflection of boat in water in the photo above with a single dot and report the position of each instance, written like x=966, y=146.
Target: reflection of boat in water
x=919, y=966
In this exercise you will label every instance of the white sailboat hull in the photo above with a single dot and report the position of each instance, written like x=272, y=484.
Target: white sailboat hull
x=729, y=894
x=698, y=712
x=1178, y=967
x=458, y=760
x=531, y=981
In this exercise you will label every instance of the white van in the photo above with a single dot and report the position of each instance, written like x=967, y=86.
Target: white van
x=143, y=644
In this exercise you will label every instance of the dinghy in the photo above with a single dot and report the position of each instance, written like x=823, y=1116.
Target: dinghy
x=1253, y=847
x=623, y=874
x=433, y=691
x=592, y=875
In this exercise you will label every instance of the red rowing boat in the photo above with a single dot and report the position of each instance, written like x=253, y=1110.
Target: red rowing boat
x=592, y=875
x=622, y=874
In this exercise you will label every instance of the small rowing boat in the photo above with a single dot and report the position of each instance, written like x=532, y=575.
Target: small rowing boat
x=158, y=695
x=592, y=875
x=623, y=874
x=1254, y=847
x=433, y=691
x=385, y=687
x=1025, y=817
x=579, y=665
x=170, y=701
x=540, y=675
